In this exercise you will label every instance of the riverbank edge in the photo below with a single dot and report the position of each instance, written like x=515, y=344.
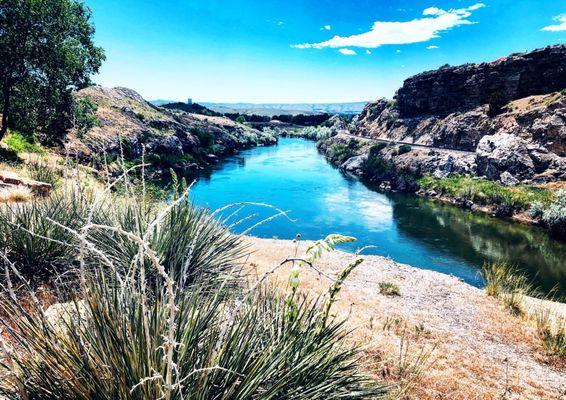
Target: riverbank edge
x=478, y=348
x=403, y=268
x=353, y=166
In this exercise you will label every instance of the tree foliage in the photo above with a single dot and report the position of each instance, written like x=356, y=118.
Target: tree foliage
x=46, y=52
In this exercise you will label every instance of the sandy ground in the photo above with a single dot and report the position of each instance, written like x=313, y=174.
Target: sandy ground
x=472, y=347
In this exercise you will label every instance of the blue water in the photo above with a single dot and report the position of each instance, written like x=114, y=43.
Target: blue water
x=321, y=199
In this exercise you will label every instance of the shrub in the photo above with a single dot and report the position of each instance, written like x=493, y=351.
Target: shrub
x=33, y=242
x=389, y=289
x=41, y=171
x=341, y=152
x=376, y=167
x=241, y=119
x=553, y=337
x=376, y=148
x=536, y=210
x=84, y=114
x=403, y=149
x=23, y=144
x=555, y=215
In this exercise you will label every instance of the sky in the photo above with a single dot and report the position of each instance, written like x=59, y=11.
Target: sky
x=315, y=51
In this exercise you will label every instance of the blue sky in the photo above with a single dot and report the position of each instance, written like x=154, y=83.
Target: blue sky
x=309, y=50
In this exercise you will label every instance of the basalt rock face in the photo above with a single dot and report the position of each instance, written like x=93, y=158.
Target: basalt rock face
x=449, y=110
x=452, y=89
x=171, y=138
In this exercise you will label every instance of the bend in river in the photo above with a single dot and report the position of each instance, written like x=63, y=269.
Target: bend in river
x=322, y=199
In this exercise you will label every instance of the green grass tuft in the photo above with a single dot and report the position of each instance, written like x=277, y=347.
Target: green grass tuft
x=389, y=289
x=485, y=192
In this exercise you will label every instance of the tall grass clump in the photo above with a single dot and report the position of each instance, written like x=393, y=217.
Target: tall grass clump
x=149, y=316
x=552, y=333
x=40, y=170
x=504, y=282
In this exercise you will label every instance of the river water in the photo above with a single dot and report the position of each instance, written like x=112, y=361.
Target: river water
x=321, y=199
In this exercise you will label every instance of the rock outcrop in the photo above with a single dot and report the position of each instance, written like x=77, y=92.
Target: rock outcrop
x=171, y=138
x=10, y=180
x=451, y=112
x=452, y=89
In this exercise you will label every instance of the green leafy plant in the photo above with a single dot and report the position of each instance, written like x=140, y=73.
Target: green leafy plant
x=150, y=317
x=21, y=143
x=84, y=114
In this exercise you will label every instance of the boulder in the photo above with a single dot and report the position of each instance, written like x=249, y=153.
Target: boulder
x=354, y=164
x=504, y=152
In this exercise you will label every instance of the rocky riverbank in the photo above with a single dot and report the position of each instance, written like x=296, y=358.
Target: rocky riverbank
x=502, y=122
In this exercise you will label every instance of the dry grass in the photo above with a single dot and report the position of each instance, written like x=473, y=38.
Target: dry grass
x=15, y=194
x=461, y=343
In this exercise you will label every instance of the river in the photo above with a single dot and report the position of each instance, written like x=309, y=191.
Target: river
x=321, y=199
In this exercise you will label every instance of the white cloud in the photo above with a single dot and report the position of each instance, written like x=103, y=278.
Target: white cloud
x=327, y=27
x=417, y=30
x=559, y=27
x=432, y=47
x=368, y=52
x=348, y=52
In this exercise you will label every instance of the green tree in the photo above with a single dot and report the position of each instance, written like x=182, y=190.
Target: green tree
x=46, y=52
x=241, y=119
x=84, y=115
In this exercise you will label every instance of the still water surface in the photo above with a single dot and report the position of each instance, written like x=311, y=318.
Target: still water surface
x=321, y=199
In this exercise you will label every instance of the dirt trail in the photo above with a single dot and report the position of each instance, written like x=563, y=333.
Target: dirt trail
x=479, y=350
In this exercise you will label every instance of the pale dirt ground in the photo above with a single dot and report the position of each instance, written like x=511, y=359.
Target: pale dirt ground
x=478, y=349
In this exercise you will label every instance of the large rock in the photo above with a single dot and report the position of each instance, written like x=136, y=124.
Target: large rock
x=452, y=89
x=501, y=153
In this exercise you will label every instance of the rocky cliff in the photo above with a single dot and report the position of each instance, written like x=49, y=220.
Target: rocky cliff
x=446, y=115
x=172, y=138
x=462, y=88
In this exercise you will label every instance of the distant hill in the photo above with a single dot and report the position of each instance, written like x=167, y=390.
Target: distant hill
x=289, y=109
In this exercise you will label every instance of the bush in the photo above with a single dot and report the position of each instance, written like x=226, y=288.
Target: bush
x=22, y=143
x=310, y=132
x=555, y=215
x=32, y=239
x=375, y=167
x=84, y=114
x=403, y=149
x=340, y=152
x=536, y=210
